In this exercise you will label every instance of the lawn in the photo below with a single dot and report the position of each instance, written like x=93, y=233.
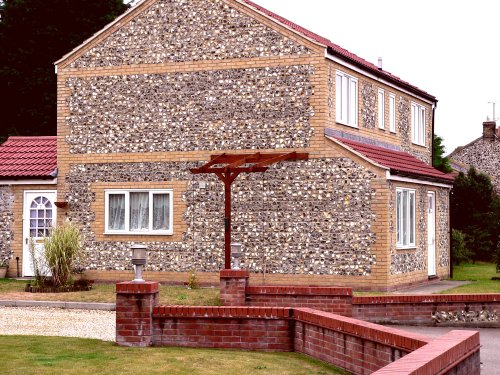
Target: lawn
x=480, y=273
x=169, y=295
x=58, y=355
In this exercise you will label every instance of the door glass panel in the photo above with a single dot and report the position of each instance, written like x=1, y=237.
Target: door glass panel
x=40, y=217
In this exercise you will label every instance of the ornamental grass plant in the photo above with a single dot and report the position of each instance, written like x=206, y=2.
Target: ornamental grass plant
x=63, y=250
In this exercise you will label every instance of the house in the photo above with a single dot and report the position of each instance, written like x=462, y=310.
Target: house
x=28, y=178
x=171, y=84
x=482, y=154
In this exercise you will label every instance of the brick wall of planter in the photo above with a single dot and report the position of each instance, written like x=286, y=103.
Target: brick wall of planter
x=352, y=344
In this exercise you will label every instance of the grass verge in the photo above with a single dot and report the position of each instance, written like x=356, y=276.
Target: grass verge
x=58, y=355
x=169, y=295
x=480, y=274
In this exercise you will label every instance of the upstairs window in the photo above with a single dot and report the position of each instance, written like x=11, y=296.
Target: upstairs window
x=392, y=113
x=405, y=218
x=138, y=212
x=346, y=99
x=381, y=109
x=418, y=124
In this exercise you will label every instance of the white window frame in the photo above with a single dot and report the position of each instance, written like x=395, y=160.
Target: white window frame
x=404, y=232
x=418, y=124
x=346, y=98
x=381, y=109
x=127, y=230
x=392, y=113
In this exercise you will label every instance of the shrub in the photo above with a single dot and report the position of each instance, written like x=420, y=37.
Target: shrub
x=193, y=280
x=460, y=251
x=62, y=251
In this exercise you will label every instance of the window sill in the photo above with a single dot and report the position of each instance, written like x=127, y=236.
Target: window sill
x=419, y=145
x=346, y=124
x=406, y=248
x=169, y=233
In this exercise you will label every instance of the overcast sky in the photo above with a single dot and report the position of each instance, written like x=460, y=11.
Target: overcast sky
x=448, y=48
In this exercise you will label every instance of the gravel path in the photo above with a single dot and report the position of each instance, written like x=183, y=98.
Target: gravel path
x=43, y=321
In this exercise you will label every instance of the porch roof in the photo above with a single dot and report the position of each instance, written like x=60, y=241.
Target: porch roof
x=399, y=162
x=28, y=157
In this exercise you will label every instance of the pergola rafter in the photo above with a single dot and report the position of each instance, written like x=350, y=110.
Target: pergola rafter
x=227, y=167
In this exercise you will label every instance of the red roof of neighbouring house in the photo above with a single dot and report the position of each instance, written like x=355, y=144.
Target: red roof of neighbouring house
x=27, y=157
x=400, y=163
x=340, y=52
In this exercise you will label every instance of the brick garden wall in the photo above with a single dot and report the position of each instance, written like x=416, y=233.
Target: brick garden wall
x=446, y=310
x=478, y=310
x=357, y=346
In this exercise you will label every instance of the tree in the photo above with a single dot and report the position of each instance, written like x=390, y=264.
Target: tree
x=439, y=161
x=475, y=211
x=34, y=34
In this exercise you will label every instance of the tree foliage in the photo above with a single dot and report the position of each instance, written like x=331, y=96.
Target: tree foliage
x=439, y=161
x=475, y=211
x=33, y=35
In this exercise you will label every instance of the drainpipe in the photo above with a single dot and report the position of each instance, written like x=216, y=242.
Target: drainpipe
x=433, y=124
x=450, y=234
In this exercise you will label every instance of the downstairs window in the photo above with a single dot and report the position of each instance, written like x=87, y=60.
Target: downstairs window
x=138, y=212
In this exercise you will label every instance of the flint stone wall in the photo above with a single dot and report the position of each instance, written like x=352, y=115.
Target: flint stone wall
x=258, y=108
x=442, y=225
x=194, y=30
x=6, y=219
x=368, y=105
x=305, y=217
x=483, y=155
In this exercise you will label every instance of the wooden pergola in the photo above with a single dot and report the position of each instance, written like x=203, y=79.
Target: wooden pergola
x=227, y=167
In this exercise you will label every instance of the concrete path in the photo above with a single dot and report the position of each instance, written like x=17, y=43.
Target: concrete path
x=60, y=305
x=432, y=288
x=490, y=344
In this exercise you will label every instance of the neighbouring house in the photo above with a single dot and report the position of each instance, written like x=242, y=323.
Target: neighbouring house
x=172, y=83
x=482, y=154
x=28, y=171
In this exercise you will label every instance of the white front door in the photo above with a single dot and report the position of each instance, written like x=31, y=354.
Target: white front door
x=39, y=215
x=431, y=233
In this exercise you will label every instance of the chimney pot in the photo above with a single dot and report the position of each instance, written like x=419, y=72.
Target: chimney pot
x=489, y=130
x=380, y=63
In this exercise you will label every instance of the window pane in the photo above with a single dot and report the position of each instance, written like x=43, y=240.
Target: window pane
x=398, y=217
x=339, y=97
x=353, y=103
x=381, y=116
x=422, y=125
x=161, y=212
x=405, y=217
x=412, y=218
x=414, y=123
x=392, y=113
x=139, y=211
x=345, y=99
x=116, y=212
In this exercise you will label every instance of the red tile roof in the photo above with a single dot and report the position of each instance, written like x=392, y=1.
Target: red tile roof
x=400, y=163
x=28, y=157
x=341, y=52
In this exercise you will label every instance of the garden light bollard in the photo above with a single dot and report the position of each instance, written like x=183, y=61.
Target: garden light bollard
x=139, y=261
x=237, y=254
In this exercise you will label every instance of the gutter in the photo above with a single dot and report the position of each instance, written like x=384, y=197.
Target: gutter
x=29, y=181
